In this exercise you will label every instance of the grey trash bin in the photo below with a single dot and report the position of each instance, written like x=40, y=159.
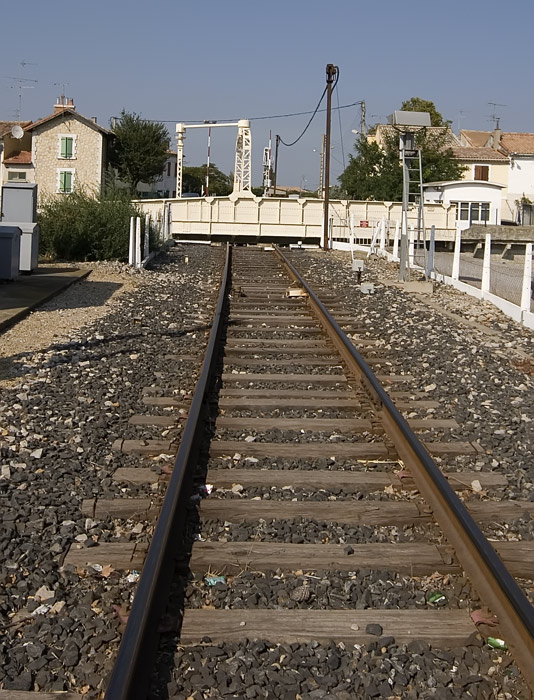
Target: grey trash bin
x=29, y=245
x=9, y=252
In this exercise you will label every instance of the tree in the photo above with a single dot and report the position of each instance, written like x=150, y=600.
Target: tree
x=194, y=180
x=140, y=149
x=376, y=172
x=417, y=104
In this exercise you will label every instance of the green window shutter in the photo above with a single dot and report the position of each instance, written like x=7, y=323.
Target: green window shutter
x=65, y=181
x=66, y=146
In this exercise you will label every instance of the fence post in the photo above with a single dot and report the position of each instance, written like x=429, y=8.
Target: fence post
x=486, y=268
x=396, y=241
x=146, y=240
x=131, y=249
x=137, y=251
x=431, y=250
x=527, y=279
x=383, y=234
x=455, y=274
x=411, y=247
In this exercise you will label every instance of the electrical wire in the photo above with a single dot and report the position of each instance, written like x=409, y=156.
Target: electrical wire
x=307, y=125
x=312, y=116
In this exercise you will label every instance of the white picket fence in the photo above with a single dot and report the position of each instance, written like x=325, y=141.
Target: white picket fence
x=489, y=290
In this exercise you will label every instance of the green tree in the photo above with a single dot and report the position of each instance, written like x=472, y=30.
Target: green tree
x=418, y=104
x=194, y=180
x=374, y=173
x=140, y=149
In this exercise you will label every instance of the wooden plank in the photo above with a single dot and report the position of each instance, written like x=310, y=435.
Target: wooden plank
x=165, y=401
x=159, y=421
x=119, y=555
x=281, y=342
x=319, y=394
x=258, y=350
x=432, y=423
x=351, y=425
x=301, y=450
x=116, y=507
x=283, y=378
x=269, y=404
x=144, y=447
x=442, y=449
x=348, y=481
x=517, y=556
x=262, y=361
x=451, y=628
x=415, y=404
x=499, y=511
x=413, y=558
x=136, y=475
x=351, y=513
x=262, y=321
x=24, y=695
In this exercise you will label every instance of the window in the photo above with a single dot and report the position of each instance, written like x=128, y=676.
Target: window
x=65, y=183
x=482, y=172
x=474, y=212
x=168, y=168
x=19, y=175
x=67, y=147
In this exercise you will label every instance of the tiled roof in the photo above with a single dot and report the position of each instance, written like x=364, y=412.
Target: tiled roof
x=477, y=139
x=5, y=127
x=386, y=130
x=19, y=157
x=472, y=153
x=71, y=112
x=522, y=144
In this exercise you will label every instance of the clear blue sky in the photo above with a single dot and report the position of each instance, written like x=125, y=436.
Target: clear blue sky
x=190, y=61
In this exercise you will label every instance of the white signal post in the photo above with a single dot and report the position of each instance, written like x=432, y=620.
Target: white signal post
x=243, y=154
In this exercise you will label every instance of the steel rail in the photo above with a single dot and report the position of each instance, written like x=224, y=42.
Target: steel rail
x=131, y=674
x=493, y=582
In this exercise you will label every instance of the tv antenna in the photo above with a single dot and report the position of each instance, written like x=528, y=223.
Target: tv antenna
x=21, y=86
x=62, y=86
x=494, y=116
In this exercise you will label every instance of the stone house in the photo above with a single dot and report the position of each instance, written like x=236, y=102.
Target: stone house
x=60, y=152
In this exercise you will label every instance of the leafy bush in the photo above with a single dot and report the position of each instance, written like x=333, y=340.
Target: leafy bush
x=84, y=226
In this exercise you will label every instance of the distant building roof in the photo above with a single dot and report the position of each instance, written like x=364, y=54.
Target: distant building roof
x=384, y=131
x=18, y=158
x=522, y=144
x=478, y=153
x=5, y=127
x=67, y=112
x=509, y=142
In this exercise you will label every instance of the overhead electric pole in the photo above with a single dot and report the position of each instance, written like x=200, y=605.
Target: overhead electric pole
x=331, y=73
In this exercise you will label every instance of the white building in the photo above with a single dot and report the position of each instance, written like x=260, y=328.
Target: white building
x=476, y=202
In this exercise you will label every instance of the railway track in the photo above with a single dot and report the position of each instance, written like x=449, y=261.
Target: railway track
x=315, y=485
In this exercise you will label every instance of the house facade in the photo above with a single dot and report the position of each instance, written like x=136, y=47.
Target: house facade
x=517, y=153
x=68, y=150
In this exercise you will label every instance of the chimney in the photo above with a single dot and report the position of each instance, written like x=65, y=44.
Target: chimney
x=496, y=136
x=63, y=103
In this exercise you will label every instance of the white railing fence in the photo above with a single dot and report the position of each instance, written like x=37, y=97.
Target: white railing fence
x=497, y=272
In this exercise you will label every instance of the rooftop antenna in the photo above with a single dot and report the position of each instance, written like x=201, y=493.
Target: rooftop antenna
x=20, y=80
x=494, y=116
x=62, y=86
x=461, y=115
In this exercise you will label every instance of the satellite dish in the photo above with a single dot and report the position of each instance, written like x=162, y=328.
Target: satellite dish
x=17, y=132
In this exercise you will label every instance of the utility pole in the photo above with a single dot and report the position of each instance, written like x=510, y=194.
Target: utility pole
x=331, y=73
x=362, y=118
x=277, y=141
